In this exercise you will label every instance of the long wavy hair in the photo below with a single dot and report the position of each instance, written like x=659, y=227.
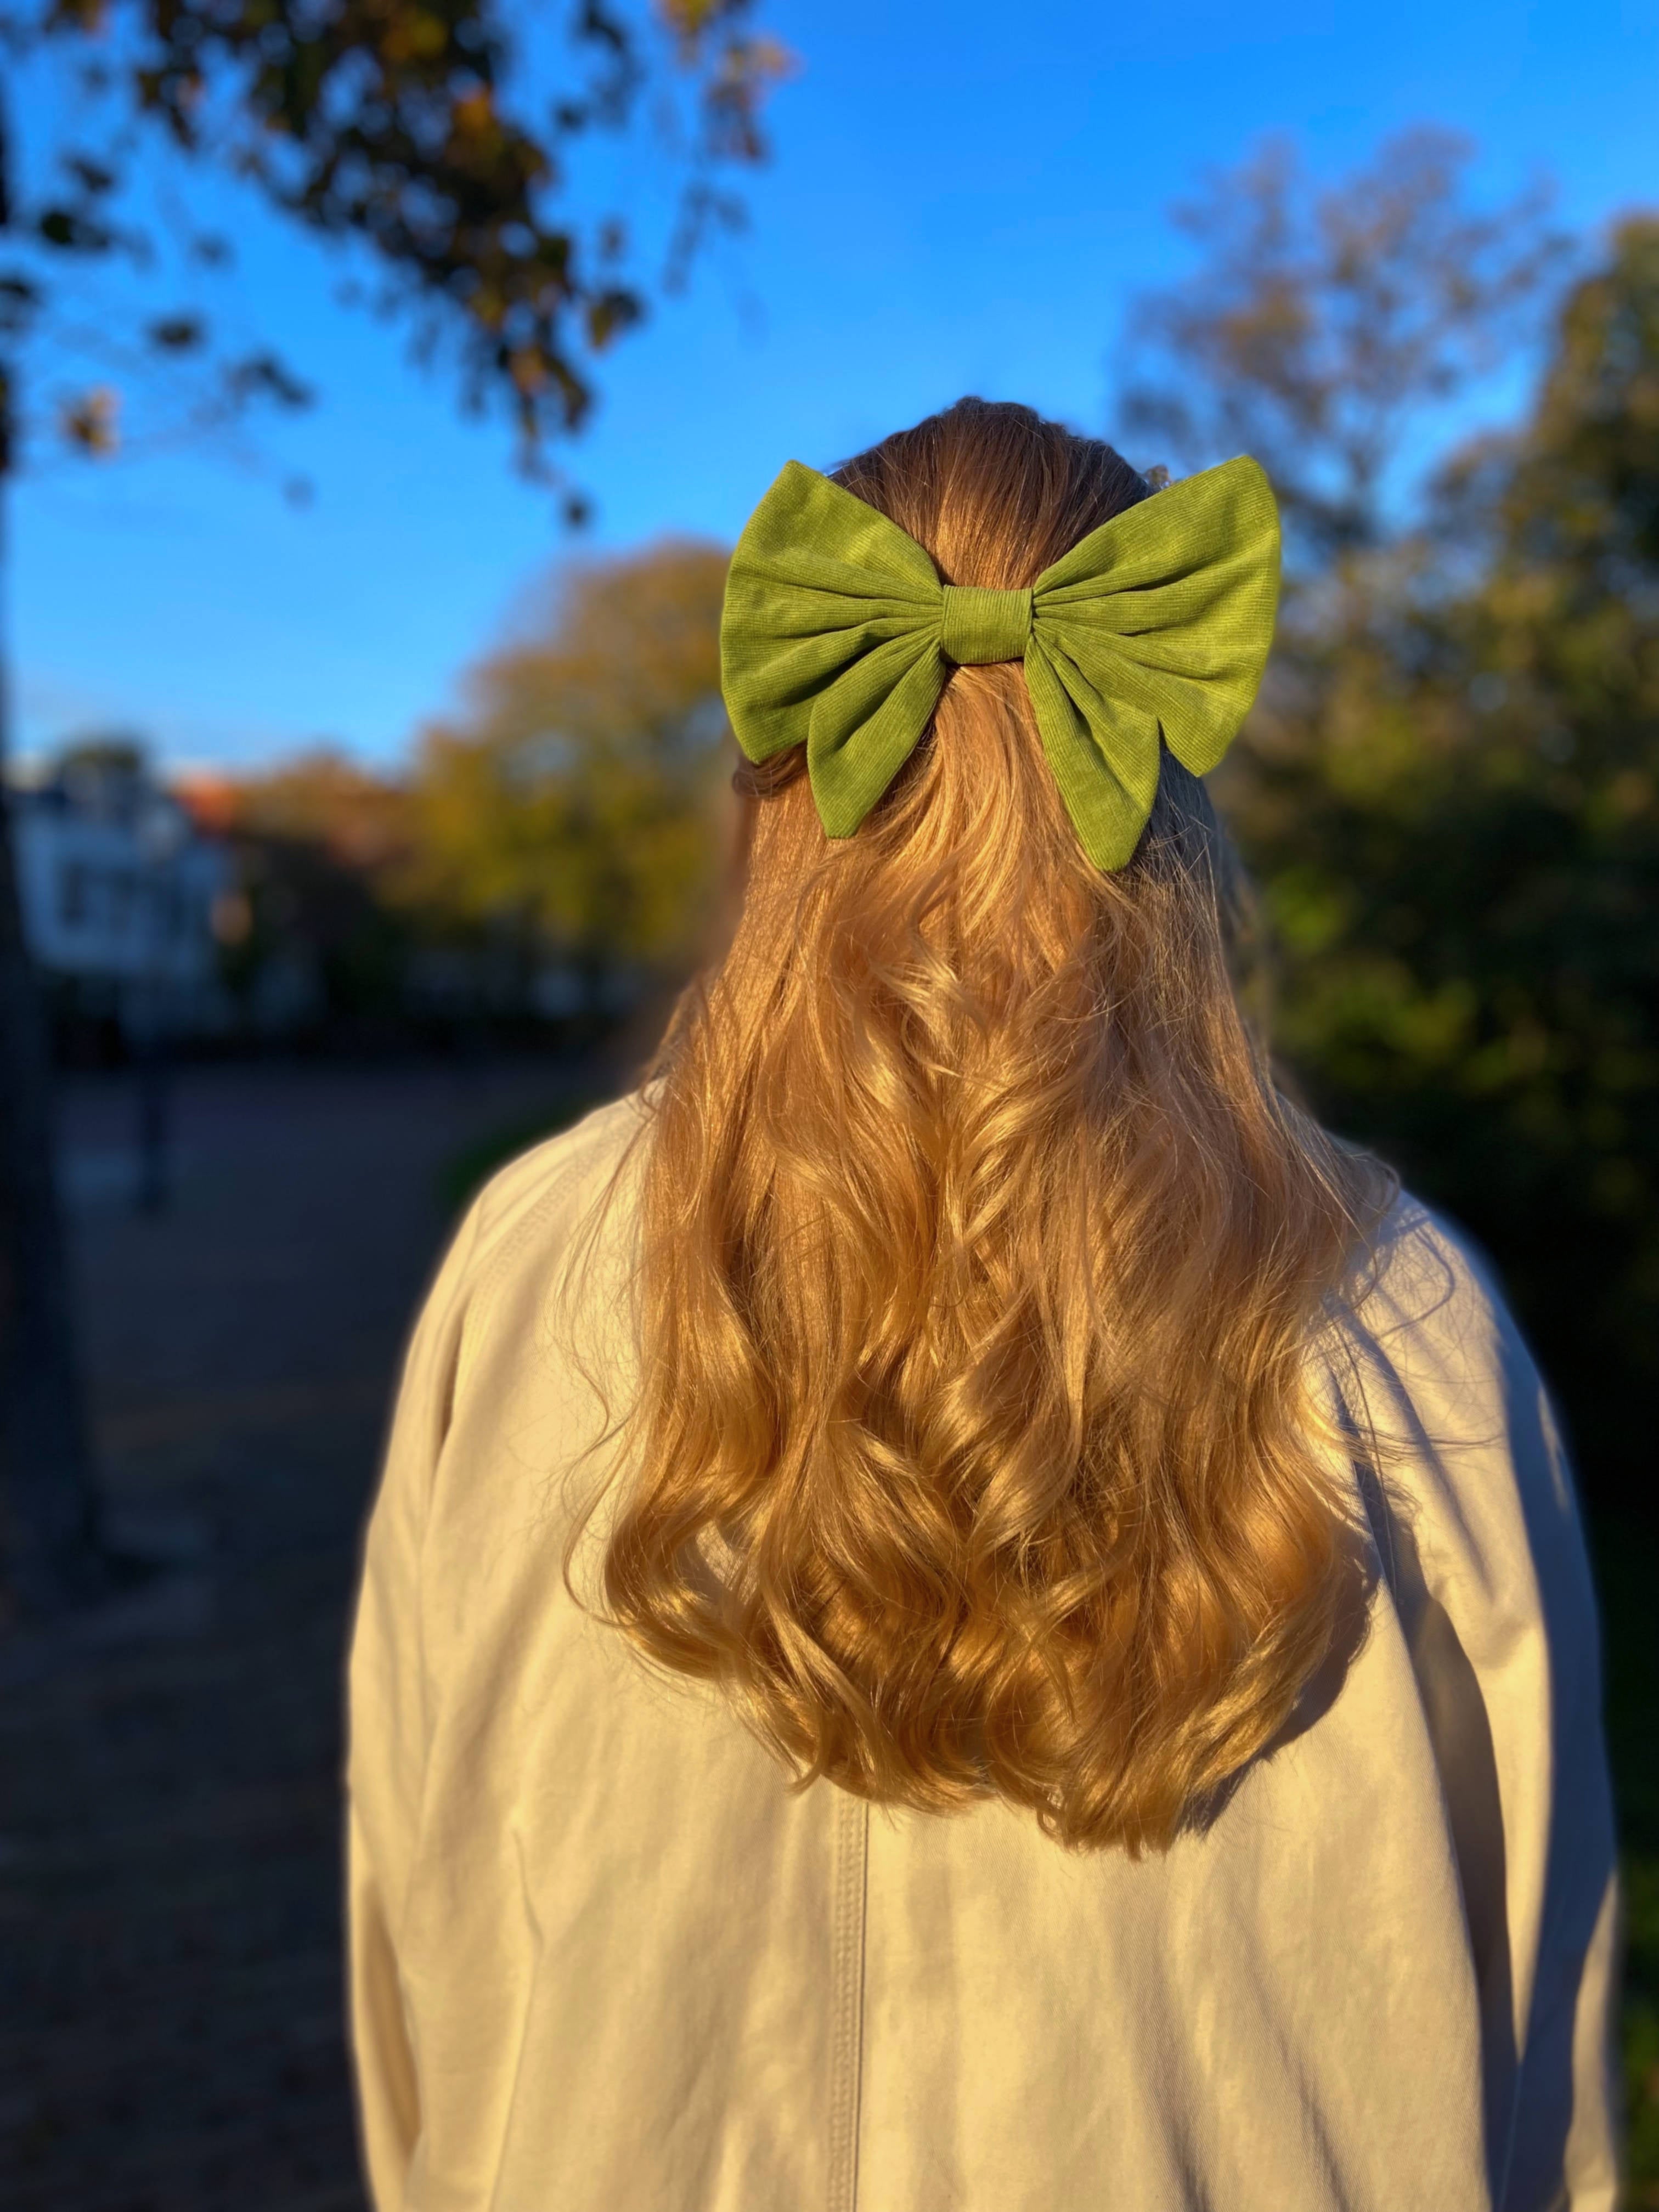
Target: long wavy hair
x=979, y=1262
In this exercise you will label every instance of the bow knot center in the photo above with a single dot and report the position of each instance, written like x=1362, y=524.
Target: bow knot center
x=979, y=626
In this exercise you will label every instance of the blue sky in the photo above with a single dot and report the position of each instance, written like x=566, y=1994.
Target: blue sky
x=963, y=197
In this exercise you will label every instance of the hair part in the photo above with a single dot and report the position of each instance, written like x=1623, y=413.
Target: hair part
x=979, y=1263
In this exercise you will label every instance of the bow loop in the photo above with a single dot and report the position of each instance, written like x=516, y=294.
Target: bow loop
x=1153, y=631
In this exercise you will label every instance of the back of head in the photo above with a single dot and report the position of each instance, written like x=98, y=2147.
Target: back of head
x=979, y=1262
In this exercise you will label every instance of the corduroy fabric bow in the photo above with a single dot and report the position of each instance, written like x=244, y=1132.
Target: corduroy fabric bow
x=838, y=634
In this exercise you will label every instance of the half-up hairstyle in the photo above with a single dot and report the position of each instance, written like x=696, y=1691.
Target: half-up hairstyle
x=979, y=1263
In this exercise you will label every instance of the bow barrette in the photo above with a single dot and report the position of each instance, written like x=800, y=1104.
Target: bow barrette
x=836, y=633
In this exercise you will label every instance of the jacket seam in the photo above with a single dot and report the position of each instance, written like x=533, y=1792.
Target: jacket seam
x=852, y=1853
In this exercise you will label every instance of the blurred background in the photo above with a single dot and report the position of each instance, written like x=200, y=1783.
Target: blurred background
x=381, y=386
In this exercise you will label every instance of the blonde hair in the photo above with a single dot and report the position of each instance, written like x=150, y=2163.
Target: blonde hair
x=979, y=1262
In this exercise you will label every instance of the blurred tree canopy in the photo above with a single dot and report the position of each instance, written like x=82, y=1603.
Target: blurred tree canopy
x=411, y=128
x=577, y=804
x=313, y=839
x=571, y=824
x=1449, y=796
x=1453, y=817
x=1322, y=326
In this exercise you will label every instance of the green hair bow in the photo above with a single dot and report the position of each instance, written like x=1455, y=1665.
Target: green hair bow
x=838, y=634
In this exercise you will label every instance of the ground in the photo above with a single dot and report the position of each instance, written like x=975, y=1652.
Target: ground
x=170, y=2001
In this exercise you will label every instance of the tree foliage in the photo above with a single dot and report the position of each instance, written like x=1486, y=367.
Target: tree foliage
x=1451, y=802
x=577, y=803
x=406, y=127
x=313, y=839
x=1320, y=325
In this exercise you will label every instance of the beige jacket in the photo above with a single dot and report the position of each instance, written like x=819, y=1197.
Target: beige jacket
x=604, y=1961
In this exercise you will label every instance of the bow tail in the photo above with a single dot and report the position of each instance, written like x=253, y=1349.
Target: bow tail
x=1103, y=752
x=866, y=726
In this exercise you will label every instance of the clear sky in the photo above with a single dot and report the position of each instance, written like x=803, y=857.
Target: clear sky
x=963, y=197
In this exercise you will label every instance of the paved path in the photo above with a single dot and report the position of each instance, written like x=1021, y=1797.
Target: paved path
x=170, y=2010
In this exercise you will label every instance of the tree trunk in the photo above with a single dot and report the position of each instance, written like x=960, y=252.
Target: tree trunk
x=47, y=1501
x=46, y=1486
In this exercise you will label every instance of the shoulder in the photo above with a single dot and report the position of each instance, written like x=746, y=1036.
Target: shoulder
x=1441, y=1359
x=515, y=1238
x=1469, y=1450
x=1432, y=1319
x=549, y=1180
x=529, y=1207
x=1430, y=1304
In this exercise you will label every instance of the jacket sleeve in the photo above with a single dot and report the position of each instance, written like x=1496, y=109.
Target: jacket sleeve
x=1492, y=1581
x=1566, y=2119
x=387, y=1735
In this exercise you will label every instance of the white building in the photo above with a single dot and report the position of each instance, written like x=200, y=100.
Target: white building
x=120, y=891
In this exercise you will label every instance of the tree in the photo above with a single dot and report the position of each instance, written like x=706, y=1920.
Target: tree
x=573, y=809
x=315, y=839
x=1321, y=326
x=1455, y=826
x=1447, y=796
x=397, y=125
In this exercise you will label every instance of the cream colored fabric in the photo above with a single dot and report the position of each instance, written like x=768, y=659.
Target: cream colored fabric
x=604, y=1961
